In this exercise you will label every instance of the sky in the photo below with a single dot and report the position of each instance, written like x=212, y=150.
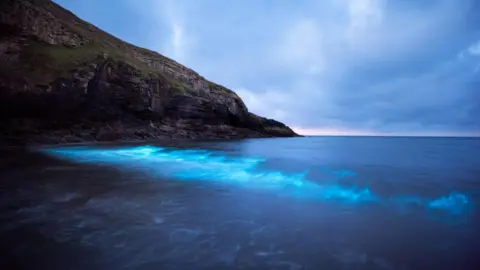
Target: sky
x=329, y=67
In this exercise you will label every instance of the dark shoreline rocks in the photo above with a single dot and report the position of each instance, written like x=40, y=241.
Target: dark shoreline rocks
x=64, y=80
x=110, y=133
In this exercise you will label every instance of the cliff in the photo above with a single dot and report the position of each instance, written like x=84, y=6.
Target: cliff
x=65, y=80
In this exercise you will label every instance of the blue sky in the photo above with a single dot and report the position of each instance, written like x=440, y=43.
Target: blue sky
x=322, y=67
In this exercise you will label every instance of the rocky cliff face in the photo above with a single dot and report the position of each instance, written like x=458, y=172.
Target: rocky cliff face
x=64, y=80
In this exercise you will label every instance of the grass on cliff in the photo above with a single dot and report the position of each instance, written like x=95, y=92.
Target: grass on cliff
x=45, y=62
x=58, y=60
x=219, y=87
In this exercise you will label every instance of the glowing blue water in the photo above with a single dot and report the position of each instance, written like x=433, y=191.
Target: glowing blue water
x=294, y=203
x=247, y=172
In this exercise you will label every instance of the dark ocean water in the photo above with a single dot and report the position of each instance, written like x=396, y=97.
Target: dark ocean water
x=300, y=203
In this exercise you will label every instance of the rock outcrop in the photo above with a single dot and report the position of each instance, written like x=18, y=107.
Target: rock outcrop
x=65, y=80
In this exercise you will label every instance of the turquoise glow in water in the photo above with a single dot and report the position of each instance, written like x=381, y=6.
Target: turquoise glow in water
x=246, y=172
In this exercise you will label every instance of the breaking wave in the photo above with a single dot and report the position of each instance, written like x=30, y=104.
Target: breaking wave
x=204, y=165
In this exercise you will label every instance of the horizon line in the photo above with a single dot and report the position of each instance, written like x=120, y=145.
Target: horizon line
x=393, y=136
x=366, y=133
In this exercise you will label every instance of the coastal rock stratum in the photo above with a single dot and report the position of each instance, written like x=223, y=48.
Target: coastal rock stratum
x=65, y=80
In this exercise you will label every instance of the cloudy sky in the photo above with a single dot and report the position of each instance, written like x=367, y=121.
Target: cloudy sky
x=322, y=67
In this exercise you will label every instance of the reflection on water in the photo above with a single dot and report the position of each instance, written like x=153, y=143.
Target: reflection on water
x=303, y=203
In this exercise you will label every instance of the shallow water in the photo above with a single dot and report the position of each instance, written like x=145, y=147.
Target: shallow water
x=299, y=203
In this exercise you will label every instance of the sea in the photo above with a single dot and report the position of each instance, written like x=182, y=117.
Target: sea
x=316, y=203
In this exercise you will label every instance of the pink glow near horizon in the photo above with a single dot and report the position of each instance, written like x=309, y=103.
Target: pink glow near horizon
x=353, y=132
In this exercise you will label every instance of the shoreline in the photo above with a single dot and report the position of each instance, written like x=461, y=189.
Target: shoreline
x=6, y=144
